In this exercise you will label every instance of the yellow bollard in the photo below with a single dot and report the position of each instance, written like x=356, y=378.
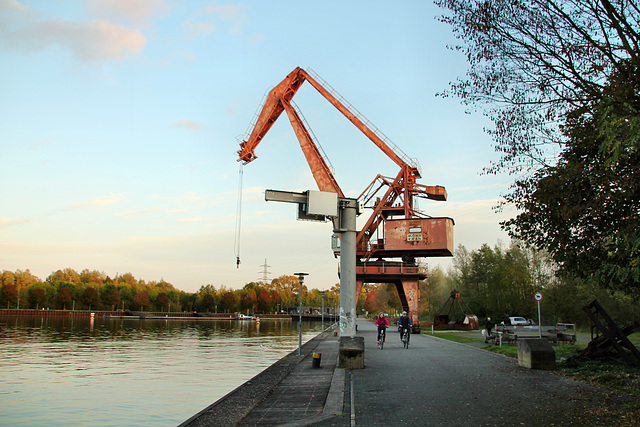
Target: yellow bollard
x=316, y=360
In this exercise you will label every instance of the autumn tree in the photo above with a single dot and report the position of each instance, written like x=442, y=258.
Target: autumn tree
x=67, y=275
x=142, y=299
x=96, y=277
x=288, y=289
x=65, y=297
x=8, y=295
x=229, y=302
x=264, y=302
x=248, y=300
x=559, y=80
x=162, y=300
x=276, y=301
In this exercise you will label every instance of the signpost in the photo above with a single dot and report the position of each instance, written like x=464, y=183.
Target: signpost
x=538, y=297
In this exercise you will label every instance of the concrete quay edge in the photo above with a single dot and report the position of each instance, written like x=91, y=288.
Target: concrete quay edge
x=232, y=408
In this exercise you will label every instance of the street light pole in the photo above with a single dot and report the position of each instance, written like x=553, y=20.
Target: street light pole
x=322, y=293
x=300, y=280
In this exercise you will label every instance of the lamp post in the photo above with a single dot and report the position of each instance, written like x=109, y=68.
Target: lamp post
x=300, y=280
x=322, y=293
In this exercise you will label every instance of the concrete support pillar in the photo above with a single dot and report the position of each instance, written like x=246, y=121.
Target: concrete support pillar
x=412, y=293
x=347, y=230
x=351, y=348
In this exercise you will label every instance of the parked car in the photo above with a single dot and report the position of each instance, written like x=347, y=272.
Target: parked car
x=518, y=321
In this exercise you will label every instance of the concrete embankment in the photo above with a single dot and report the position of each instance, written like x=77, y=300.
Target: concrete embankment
x=290, y=390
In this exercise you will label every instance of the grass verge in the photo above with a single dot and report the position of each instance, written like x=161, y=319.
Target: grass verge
x=602, y=372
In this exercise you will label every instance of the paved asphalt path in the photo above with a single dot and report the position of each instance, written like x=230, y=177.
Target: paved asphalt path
x=441, y=383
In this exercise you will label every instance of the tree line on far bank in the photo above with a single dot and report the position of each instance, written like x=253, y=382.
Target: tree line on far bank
x=493, y=282
x=93, y=290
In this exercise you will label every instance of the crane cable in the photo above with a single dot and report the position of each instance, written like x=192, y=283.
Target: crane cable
x=236, y=243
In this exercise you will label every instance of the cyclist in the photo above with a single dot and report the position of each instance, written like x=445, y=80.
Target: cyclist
x=404, y=323
x=382, y=323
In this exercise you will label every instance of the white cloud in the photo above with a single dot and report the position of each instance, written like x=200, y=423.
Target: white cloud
x=131, y=10
x=233, y=15
x=24, y=29
x=261, y=213
x=9, y=222
x=196, y=29
x=181, y=57
x=39, y=144
x=196, y=219
x=186, y=124
x=151, y=210
x=111, y=199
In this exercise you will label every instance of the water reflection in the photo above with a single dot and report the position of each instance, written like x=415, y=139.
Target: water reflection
x=130, y=372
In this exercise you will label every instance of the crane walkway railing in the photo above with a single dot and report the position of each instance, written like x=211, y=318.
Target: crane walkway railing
x=408, y=160
x=313, y=137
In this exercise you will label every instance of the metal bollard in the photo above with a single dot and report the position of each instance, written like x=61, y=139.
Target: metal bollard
x=316, y=360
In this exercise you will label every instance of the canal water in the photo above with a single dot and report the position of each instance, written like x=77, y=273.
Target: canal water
x=79, y=372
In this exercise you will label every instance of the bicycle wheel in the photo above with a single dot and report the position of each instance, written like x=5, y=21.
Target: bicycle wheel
x=405, y=339
x=382, y=337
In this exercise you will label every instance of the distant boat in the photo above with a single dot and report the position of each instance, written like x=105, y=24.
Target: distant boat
x=245, y=317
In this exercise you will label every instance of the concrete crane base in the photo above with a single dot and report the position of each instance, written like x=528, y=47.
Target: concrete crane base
x=351, y=353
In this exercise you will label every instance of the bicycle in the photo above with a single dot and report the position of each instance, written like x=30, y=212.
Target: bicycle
x=382, y=337
x=406, y=337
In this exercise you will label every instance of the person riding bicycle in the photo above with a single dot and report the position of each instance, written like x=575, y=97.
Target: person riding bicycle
x=382, y=323
x=404, y=323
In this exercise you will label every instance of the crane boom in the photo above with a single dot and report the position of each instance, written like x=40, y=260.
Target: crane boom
x=395, y=229
x=398, y=199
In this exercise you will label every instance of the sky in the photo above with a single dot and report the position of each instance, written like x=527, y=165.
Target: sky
x=119, y=122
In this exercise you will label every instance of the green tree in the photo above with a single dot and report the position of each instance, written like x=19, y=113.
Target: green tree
x=560, y=82
x=110, y=296
x=584, y=210
x=91, y=298
x=208, y=302
x=498, y=281
x=188, y=301
x=37, y=297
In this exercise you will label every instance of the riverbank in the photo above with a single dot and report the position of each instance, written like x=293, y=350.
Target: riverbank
x=127, y=314
x=449, y=383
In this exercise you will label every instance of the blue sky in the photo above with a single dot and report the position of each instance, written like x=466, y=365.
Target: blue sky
x=119, y=118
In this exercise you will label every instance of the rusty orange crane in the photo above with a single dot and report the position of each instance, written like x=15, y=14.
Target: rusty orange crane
x=396, y=233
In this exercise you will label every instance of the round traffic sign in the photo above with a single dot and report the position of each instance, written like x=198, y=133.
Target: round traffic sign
x=538, y=296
